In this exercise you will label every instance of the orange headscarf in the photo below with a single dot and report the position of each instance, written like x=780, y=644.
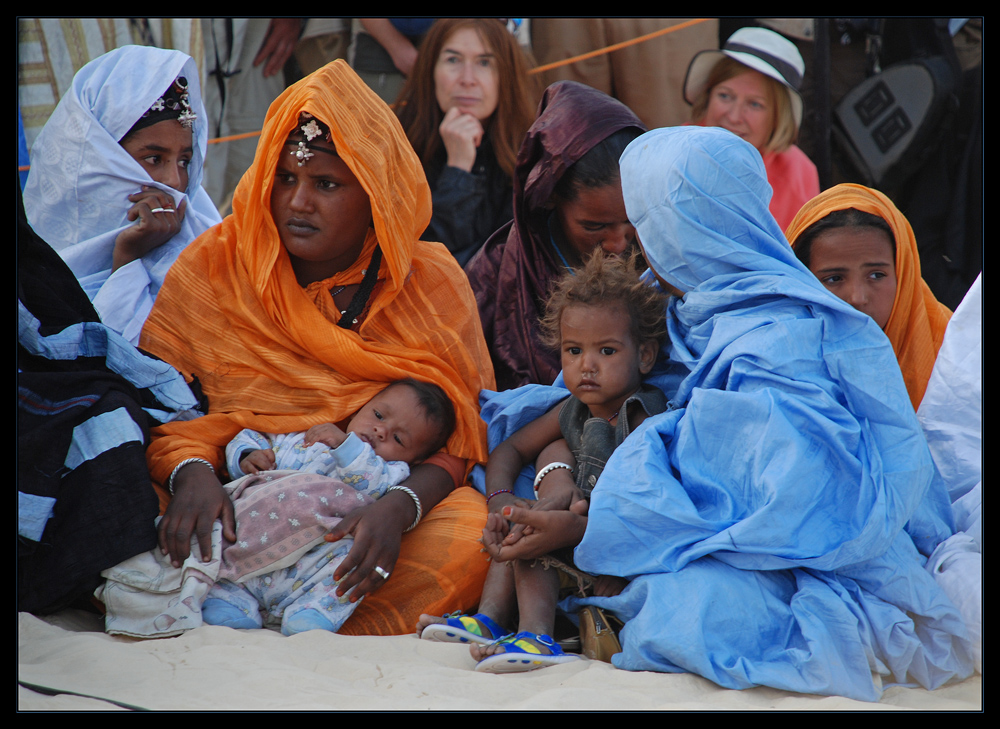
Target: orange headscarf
x=917, y=323
x=266, y=350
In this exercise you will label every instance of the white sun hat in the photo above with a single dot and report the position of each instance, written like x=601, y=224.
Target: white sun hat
x=756, y=48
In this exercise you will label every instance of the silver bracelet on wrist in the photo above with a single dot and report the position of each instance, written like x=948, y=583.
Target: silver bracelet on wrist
x=170, y=483
x=547, y=470
x=416, y=502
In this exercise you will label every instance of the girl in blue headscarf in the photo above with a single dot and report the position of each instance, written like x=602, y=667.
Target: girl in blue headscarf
x=774, y=522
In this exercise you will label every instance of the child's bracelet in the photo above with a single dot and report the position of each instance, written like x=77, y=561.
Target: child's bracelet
x=547, y=470
x=170, y=482
x=416, y=501
x=497, y=493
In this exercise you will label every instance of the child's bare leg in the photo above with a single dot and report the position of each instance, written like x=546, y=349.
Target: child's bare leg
x=497, y=601
x=537, y=595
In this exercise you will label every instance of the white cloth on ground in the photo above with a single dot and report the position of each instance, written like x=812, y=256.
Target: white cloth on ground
x=147, y=597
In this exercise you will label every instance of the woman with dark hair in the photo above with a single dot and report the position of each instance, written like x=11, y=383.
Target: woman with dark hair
x=296, y=310
x=465, y=109
x=862, y=248
x=567, y=203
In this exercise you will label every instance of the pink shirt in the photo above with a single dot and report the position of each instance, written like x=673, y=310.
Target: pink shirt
x=794, y=179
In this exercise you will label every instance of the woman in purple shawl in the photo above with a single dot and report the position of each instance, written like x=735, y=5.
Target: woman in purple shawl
x=567, y=203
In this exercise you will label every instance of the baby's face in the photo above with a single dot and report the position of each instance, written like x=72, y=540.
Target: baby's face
x=394, y=424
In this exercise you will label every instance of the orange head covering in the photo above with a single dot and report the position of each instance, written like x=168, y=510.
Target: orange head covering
x=917, y=323
x=267, y=351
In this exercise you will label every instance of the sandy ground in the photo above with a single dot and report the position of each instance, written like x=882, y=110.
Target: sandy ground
x=214, y=668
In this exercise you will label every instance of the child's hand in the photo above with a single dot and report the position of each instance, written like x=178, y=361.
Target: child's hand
x=559, y=502
x=327, y=433
x=257, y=461
x=493, y=535
x=609, y=585
x=551, y=530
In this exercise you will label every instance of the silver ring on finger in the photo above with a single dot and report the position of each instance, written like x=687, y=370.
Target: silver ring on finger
x=162, y=210
x=382, y=573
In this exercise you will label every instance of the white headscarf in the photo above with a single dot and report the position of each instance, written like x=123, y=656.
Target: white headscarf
x=77, y=192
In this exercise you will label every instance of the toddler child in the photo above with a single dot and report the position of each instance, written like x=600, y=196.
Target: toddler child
x=609, y=327
x=280, y=564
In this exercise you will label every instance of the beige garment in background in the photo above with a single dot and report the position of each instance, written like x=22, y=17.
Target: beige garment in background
x=247, y=97
x=647, y=77
x=323, y=40
x=388, y=82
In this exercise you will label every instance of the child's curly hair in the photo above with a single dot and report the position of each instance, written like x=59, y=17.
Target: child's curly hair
x=608, y=281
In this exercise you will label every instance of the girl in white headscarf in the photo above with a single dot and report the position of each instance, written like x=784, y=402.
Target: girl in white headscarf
x=115, y=180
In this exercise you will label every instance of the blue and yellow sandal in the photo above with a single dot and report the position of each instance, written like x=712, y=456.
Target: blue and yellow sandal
x=460, y=628
x=525, y=652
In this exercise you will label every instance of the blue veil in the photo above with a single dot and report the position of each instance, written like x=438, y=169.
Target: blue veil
x=775, y=521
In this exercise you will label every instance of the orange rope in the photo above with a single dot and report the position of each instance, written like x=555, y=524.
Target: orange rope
x=234, y=137
x=618, y=46
x=539, y=69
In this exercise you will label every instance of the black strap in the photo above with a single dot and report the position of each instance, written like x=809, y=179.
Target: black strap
x=220, y=73
x=360, y=299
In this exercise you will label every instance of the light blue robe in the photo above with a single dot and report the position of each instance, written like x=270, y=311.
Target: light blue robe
x=775, y=522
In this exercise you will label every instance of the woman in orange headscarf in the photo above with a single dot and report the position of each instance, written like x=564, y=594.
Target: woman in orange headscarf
x=303, y=304
x=862, y=248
